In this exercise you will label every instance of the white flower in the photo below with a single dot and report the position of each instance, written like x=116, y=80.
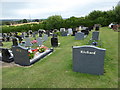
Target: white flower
x=30, y=51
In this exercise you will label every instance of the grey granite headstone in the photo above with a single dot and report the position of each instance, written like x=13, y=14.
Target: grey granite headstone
x=28, y=42
x=79, y=36
x=95, y=35
x=45, y=37
x=88, y=59
x=40, y=41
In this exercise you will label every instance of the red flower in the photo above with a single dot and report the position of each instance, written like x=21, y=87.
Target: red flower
x=34, y=50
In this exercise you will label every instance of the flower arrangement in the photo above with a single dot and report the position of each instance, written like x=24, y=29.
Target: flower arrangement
x=42, y=49
x=34, y=41
x=36, y=51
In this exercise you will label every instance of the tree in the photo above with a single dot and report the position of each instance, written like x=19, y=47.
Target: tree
x=54, y=22
x=25, y=21
x=117, y=14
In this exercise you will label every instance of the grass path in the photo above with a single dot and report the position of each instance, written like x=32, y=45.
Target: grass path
x=55, y=71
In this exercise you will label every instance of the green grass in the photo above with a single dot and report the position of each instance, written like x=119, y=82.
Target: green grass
x=55, y=71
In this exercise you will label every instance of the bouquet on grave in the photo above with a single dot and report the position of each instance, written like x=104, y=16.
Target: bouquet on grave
x=42, y=49
x=34, y=52
x=34, y=41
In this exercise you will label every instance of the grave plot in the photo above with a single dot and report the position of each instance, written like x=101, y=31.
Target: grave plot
x=25, y=57
x=88, y=59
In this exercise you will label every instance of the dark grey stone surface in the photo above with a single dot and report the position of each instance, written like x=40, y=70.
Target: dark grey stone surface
x=79, y=36
x=95, y=35
x=88, y=59
x=54, y=42
x=21, y=55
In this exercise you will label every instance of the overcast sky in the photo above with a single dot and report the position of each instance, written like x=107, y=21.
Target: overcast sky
x=39, y=9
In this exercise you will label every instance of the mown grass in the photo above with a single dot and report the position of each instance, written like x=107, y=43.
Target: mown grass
x=55, y=70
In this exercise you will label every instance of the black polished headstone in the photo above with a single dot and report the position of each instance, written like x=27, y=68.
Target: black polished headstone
x=88, y=59
x=97, y=28
x=15, y=42
x=6, y=56
x=54, y=41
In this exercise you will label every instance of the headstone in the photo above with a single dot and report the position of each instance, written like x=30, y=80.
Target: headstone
x=21, y=55
x=28, y=42
x=7, y=38
x=15, y=42
x=39, y=41
x=6, y=55
x=62, y=29
x=45, y=37
x=79, y=36
x=54, y=41
x=40, y=34
x=70, y=32
x=95, y=35
x=1, y=44
x=88, y=59
x=34, y=35
x=97, y=28
x=86, y=32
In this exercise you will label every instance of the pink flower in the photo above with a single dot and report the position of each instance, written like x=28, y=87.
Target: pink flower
x=34, y=41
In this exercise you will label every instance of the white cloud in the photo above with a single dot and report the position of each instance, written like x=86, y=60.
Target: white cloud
x=45, y=8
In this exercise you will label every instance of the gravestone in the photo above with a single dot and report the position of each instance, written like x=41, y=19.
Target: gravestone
x=86, y=32
x=1, y=44
x=54, y=41
x=70, y=32
x=40, y=34
x=6, y=55
x=79, y=36
x=14, y=41
x=62, y=29
x=7, y=38
x=39, y=41
x=33, y=34
x=21, y=55
x=95, y=35
x=45, y=37
x=97, y=28
x=28, y=42
x=88, y=59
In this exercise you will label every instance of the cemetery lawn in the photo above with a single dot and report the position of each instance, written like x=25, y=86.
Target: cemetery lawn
x=55, y=70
